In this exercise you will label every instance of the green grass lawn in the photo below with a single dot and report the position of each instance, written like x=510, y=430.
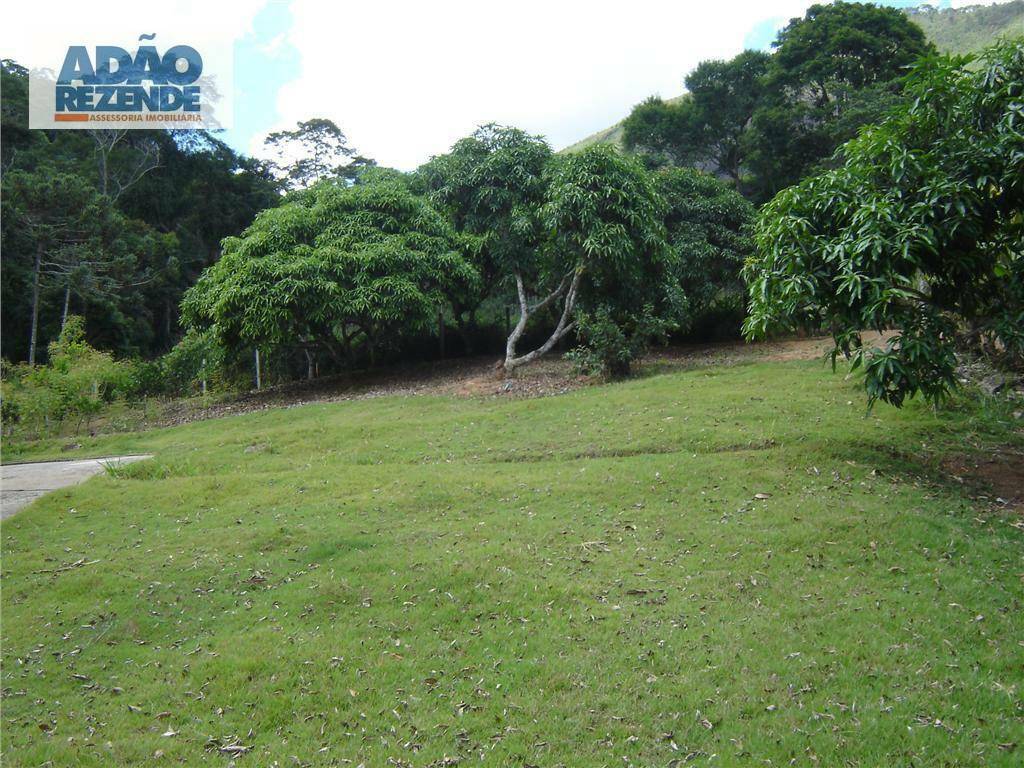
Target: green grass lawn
x=728, y=566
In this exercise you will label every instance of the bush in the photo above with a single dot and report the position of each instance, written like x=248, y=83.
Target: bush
x=196, y=358
x=145, y=378
x=75, y=384
x=11, y=407
x=610, y=341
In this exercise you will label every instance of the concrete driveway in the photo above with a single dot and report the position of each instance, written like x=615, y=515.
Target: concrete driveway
x=21, y=484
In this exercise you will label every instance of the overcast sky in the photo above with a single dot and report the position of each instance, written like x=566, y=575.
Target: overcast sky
x=404, y=80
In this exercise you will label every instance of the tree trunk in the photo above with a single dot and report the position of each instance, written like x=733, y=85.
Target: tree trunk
x=569, y=288
x=103, y=170
x=35, y=304
x=67, y=302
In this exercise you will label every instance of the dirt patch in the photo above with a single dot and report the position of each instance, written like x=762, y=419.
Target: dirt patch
x=725, y=353
x=466, y=377
x=484, y=377
x=999, y=477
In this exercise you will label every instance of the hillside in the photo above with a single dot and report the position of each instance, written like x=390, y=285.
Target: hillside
x=953, y=30
x=966, y=30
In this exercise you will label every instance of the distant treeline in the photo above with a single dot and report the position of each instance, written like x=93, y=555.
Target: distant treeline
x=112, y=225
x=767, y=120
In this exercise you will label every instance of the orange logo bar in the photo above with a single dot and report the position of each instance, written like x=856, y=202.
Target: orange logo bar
x=71, y=118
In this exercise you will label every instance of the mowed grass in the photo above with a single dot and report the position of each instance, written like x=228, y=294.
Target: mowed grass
x=583, y=580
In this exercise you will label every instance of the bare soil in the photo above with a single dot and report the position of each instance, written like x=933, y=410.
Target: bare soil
x=999, y=476
x=484, y=377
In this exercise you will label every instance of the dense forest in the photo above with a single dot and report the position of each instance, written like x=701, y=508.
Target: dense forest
x=113, y=226
x=171, y=248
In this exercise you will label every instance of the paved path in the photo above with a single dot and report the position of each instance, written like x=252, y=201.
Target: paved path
x=21, y=484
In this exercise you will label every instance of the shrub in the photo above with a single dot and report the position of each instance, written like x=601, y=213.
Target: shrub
x=74, y=385
x=196, y=358
x=610, y=341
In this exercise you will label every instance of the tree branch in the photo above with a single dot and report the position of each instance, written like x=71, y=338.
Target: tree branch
x=565, y=325
x=553, y=295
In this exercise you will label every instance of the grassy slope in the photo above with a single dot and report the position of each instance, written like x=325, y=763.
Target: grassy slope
x=578, y=580
x=611, y=135
x=953, y=30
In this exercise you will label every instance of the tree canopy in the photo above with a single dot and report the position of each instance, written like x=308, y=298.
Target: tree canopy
x=836, y=69
x=920, y=229
x=708, y=226
x=134, y=217
x=579, y=241
x=491, y=186
x=609, y=251
x=846, y=46
x=335, y=269
x=708, y=125
x=80, y=244
x=316, y=149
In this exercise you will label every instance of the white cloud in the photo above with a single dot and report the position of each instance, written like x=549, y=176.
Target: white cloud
x=29, y=29
x=404, y=80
